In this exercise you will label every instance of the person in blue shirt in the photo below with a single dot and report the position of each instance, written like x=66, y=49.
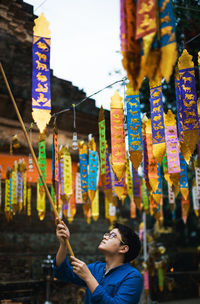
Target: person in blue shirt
x=112, y=282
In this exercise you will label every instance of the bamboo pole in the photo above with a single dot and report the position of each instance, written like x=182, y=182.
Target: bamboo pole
x=33, y=153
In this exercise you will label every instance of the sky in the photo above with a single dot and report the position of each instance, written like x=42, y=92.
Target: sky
x=85, y=43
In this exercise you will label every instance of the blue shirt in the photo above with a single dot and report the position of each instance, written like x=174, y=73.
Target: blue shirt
x=121, y=285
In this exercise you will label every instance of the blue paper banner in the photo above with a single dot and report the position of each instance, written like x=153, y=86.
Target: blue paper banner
x=41, y=94
x=93, y=166
x=183, y=174
x=83, y=171
x=134, y=125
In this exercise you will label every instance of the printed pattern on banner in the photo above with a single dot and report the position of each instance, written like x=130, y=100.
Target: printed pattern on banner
x=117, y=136
x=102, y=141
x=157, y=120
x=179, y=106
x=145, y=18
x=134, y=123
x=93, y=166
x=188, y=93
x=172, y=143
x=78, y=191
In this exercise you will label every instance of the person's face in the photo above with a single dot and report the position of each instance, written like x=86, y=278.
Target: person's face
x=111, y=241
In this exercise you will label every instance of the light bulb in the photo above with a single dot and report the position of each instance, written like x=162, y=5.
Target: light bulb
x=74, y=141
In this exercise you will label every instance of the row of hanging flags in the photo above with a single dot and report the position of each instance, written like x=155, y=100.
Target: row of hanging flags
x=155, y=144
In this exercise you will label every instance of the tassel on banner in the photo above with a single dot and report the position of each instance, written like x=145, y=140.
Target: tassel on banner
x=117, y=136
x=136, y=188
x=93, y=167
x=134, y=126
x=189, y=110
x=102, y=145
x=132, y=209
x=157, y=120
x=185, y=207
x=158, y=266
x=41, y=95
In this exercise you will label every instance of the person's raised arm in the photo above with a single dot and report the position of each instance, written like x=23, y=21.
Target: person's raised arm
x=63, y=234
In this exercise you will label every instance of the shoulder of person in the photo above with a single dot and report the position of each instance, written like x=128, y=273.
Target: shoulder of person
x=132, y=271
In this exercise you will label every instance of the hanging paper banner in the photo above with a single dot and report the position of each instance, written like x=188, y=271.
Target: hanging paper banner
x=79, y=199
x=95, y=206
x=197, y=177
x=145, y=154
x=189, y=101
x=41, y=196
x=136, y=188
x=129, y=181
x=172, y=143
x=185, y=207
x=67, y=173
x=117, y=136
x=184, y=179
x=134, y=126
x=161, y=278
x=145, y=196
x=61, y=175
x=41, y=95
x=152, y=162
x=158, y=193
x=93, y=166
x=171, y=178
x=25, y=191
x=8, y=189
x=146, y=280
x=102, y=141
x=13, y=192
x=196, y=205
x=132, y=209
x=29, y=200
x=157, y=120
x=72, y=203
x=178, y=105
x=55, y=162
x=167, y=38
x=83, y=169
x=108, y=179
x=19, y=187
x=118, y=186
x=171, y=198
x=145, y=19
x=130, y=47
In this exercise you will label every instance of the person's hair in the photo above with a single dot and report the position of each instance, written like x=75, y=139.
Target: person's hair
x=130, y=238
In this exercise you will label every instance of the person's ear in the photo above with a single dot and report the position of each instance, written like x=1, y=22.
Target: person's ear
x=124, y=249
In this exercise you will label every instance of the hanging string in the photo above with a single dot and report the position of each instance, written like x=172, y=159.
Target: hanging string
x=74, y=110
x=83, y=100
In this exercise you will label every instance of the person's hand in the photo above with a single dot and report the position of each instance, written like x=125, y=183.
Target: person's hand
x=62, y=232
x=80, y=268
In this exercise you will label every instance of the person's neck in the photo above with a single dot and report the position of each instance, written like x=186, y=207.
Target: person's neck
x=112, y=262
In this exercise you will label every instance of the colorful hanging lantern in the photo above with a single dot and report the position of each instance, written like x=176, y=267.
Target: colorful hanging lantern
x=117, y=136
x=41, y=95
x=134, y=126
